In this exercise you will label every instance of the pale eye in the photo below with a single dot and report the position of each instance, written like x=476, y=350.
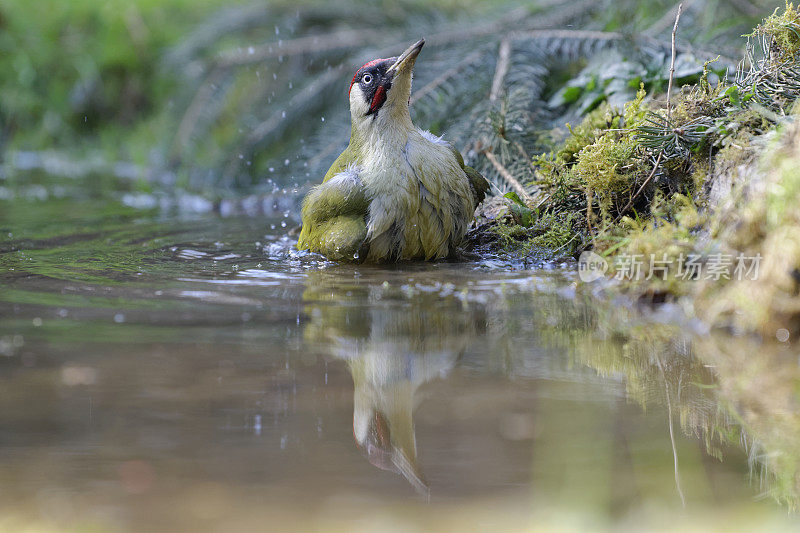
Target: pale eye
x=367, y=79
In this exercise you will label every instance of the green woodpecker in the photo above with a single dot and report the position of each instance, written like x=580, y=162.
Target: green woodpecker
x=396, y=192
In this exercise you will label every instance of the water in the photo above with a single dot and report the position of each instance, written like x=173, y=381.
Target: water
x=184, y=374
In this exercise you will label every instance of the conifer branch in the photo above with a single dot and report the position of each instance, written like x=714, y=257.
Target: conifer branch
x=443, y=78
x=346, y=39
x=507, y=176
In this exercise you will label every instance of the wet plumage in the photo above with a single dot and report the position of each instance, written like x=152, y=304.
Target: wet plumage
x=396, y=192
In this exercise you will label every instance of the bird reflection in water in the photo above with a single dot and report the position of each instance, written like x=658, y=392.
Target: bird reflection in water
x=393, y=344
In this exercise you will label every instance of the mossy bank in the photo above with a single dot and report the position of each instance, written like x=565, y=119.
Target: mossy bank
x=692, y=198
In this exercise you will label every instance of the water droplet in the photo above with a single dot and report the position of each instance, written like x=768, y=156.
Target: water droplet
x=283, y=114
x=283, y=223
x=286, y=162
x=323, y=119
x=251, y=50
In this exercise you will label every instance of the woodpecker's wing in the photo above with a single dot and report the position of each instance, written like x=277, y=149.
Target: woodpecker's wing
x=334, y=215
x=346, y=159
x=477, y=183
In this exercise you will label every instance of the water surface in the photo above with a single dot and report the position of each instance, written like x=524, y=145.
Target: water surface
x=192, y=373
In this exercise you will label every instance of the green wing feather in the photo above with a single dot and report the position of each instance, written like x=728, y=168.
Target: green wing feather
x=477, y=182
x=346, y=158
x=334, y=213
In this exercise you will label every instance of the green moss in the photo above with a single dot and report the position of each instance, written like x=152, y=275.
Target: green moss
x=552, y=235
x=661, y=244
x=767, y=225
x=592, y=126
x=608, y=167
x=784, y=31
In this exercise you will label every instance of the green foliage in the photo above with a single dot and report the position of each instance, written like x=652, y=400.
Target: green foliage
x=520, y=212
x=769, y=75
x=615, y=79
x=246, y=89
x=783, y=32
x=654, y=164
x=74, y=68
x=659, y=133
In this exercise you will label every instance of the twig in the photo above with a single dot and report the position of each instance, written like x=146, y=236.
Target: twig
x=504, y=172
x=671, y=431
x=641, y=188
x=503, y=62
x=565, y=244
x=669, y=113
x=672, y=63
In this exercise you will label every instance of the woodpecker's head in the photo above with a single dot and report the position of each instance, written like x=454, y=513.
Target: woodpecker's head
x=395, y=451
x=383, y=86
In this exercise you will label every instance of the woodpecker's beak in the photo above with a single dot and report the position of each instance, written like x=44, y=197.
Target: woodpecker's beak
x=406, y=60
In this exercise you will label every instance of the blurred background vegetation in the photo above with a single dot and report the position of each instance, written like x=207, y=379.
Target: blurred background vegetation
x=222, y=98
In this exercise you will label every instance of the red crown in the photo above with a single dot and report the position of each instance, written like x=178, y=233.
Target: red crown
x=373, y=62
